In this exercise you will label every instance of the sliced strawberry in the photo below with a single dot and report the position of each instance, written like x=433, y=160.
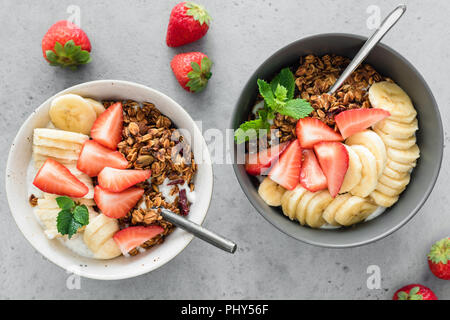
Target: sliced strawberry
x=117, y=180
x=107, y=129
x=258, y=163
x=117, y=204
x=129, y=238
x=356, y=120
x=94, y=157
x=311, y=175
x=55, y=178
x=286, y=172
x=333, y=159
x=311, y=131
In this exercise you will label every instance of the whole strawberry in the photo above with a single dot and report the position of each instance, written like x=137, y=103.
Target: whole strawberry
x=188, y=22
x=192, y=70
x=438, y=259
x=66, y=45
x=414, y=292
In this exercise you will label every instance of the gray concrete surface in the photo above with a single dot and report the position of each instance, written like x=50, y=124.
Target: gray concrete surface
x=128, y=43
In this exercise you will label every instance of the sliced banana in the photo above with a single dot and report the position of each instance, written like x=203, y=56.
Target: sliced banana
x=56, y=153
x=57, y=144
x=396, y=129
x=400, y=167
x=316, y=207
x=404, y=156
x=290, y=200
x=394, y=174
x=71, y=112
x=383, y=200
x=271, y=192
x=389, y=191
x=354, y=172
x=98, y=234
x=354, y=210
x=60, y=135
x=389, y=96
x=395, y=183
x=330, y=211
x=302, y=206
x=404, y=119
x=48, y=219
x=392, y=142
x=369, y=178
x=373, y=142
x=98, y=107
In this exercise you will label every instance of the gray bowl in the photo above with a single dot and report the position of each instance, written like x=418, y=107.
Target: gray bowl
x=429, y=138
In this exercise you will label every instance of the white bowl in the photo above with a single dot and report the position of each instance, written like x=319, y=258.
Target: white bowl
x=17, y=186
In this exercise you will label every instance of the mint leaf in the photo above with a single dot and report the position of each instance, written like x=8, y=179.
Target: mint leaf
x=63, y=221
x=250, y=130
x=81, y=214
x=266, y=92
x=73, y=227
x=286, y=79
x=65, y=203
x=280, y=95
x=296, y=108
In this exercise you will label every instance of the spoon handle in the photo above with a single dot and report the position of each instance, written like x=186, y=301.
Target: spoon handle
x=376, y=37
x=199, y=231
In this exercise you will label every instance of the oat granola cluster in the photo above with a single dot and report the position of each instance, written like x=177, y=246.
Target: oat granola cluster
x=150, y=141
x=314, y=77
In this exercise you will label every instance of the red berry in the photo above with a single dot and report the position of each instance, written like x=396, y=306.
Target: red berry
x=107, y=129
x=192, y=70
x=129, y=238
x=188, y=22
x=117, y=204
x=258, y=163
x=117, y=180
x=414, y=292
x=286, y=172
x=356, y=120
x=311, y=131
x=311, y=175
x=439, y=259
x=66, y=45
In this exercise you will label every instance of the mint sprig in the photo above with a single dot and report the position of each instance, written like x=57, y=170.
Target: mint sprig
x=71, y=217
x=278, y=97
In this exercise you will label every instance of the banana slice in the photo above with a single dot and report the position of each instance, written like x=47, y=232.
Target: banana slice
x=383, y=199
x=290, y=200
x=302, y=206
x=369, y=177
x=396, y=129
x=71, y=112
x=354, y=210
x=395, y=183
x=394, y=174
x=271, y=192
x=316, y=207
x=56, y=153
x=373, y=142
x=353, y=175
x=389, y=191
x=60, y=135
x=389, y=96
x=400, y=167
x=330, y=211
x=57, y=144
x=98, y=107
x=404, y=119
x=98, y=234
x=404, y=156
x=392, y=142
x=48, y=219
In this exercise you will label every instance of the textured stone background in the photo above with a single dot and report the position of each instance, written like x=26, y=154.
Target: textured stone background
x=128, y=43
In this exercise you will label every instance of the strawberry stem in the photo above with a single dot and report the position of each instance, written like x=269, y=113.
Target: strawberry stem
x=440, y=251
x=68, y=55
x=198, y=12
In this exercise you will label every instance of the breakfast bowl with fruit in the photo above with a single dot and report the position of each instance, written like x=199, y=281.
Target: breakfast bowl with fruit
x=337, y=169
x=91, y=169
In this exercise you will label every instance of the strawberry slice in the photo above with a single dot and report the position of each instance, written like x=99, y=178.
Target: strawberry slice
x=55, y=178
x=286, y=171
x=129, y=238
x=117, y=204
x=311, y=175
x=258, y=163
x=117, y=180
x=94, y=157
x=311, y=131
x=356, y=120
x=107, y=129
x=333, y=159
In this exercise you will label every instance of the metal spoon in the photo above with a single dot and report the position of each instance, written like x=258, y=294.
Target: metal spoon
x=376, y=37
x=198, y=231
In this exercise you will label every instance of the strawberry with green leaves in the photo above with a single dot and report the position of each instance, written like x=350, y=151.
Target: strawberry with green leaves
x=279, y=98
x=414, y=292
x=192, y=70
x=439, y=259
x=66, y=45
x=188, y=22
